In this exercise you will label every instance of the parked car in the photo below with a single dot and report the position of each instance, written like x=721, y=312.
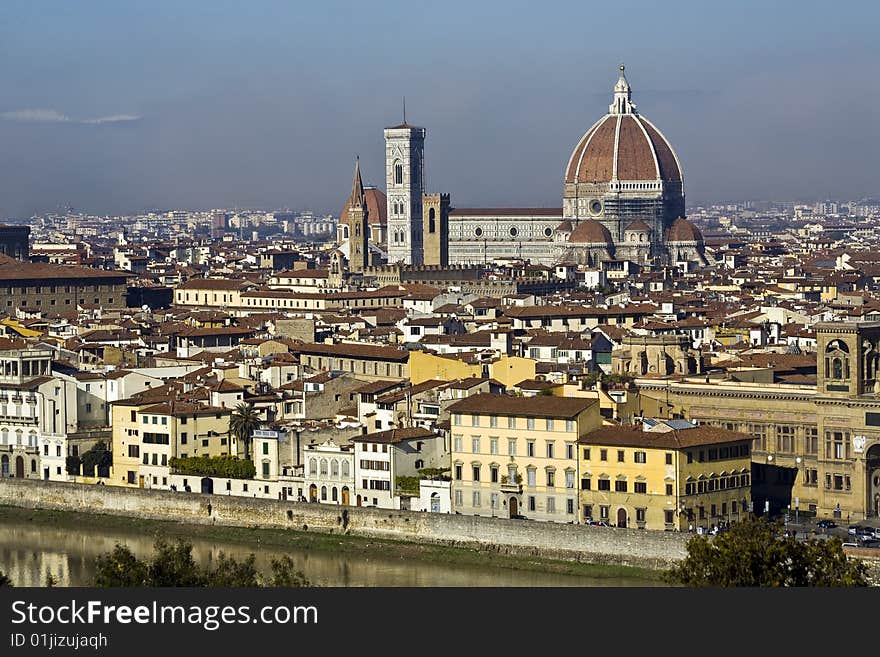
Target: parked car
x=877, y=533
x=826, y=524
x=855, y=530
x=866, y=534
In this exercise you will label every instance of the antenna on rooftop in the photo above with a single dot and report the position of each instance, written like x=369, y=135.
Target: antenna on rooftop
x=404, y=110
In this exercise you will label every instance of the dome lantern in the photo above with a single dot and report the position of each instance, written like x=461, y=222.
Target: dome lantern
x=622, y=96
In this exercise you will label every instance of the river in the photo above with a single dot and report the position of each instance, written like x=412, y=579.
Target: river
x=30, y=550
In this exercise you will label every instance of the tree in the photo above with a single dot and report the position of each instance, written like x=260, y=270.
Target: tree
x=230, y=572
x=755, y=552
x=120, y=568
x=174, y=565
x=4, y=580
x=97, y=461
x=242, y=423
x=72, y=464
x=285, y=575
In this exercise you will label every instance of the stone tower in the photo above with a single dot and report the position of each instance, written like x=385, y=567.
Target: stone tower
x=435, y=229
x=405, y=187
x=847, y=358
x=358, y=228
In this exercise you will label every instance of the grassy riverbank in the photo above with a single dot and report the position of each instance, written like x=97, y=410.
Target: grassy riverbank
x=280, y=539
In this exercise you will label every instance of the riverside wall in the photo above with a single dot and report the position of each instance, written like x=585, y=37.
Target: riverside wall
x=605, y=545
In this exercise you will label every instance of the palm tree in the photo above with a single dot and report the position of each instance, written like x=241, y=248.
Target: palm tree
x=242, y=423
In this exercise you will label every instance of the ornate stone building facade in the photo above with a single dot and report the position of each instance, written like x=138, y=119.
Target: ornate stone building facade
x=816, y=447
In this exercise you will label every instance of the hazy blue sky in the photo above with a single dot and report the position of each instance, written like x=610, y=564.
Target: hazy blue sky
x=119, y=105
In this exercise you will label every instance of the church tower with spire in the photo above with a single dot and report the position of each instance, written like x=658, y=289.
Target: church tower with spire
x=358, y=228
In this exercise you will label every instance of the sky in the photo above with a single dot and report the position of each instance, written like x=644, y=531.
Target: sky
x=118, y=107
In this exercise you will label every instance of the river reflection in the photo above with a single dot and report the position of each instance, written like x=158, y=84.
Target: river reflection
x=30, y=551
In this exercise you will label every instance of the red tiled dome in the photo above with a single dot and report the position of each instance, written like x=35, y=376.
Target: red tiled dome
x=642, y=152
x=591, y=232
x=377, y=207
x=623, y=146
x=683, y=230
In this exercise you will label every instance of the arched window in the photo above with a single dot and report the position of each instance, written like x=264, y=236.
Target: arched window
x=345, y=468
x=323, y=466
x=432, y=224
x=334, y=468
x=334, y=494
x=313, y=466
x=323, y=492
x=398, y=173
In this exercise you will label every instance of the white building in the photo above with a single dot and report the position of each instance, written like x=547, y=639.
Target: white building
x=37, y=411
x=379, y=458
x=329, y=475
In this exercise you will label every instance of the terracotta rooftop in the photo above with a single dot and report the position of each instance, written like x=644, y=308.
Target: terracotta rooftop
x=634, y=436
x=540, y=406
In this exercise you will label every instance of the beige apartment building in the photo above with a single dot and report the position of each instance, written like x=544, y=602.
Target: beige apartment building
x=517, y=456
x=147, y=435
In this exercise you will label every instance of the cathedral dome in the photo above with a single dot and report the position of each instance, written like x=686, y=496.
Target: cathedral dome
x=683, y=230
x=377, y=207
x=591, y=232
x=623, y=146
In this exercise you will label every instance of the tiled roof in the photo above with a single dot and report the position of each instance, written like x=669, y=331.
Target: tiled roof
x=540, y=406
x=634, y=436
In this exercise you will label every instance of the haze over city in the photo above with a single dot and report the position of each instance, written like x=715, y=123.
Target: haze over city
x=117, y=108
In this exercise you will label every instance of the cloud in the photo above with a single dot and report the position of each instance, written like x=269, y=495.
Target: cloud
x=49, y=116
x=116, y=118
x=53, y=116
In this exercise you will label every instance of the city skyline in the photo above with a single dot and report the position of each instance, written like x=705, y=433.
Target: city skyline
x=126, y=109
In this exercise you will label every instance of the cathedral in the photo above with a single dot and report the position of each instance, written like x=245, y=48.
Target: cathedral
x=622, y=199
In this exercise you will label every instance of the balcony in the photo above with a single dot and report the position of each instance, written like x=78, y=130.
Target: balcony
x=511, y=486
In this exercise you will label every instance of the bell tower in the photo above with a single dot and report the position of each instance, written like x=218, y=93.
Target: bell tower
x=405, y=187
x=358, y=228
x=847, y=358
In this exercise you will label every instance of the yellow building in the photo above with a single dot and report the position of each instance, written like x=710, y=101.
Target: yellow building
x=508, y=370
x=664, y=475
x=147, y=435
x=425, y=366
x=517, y=456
